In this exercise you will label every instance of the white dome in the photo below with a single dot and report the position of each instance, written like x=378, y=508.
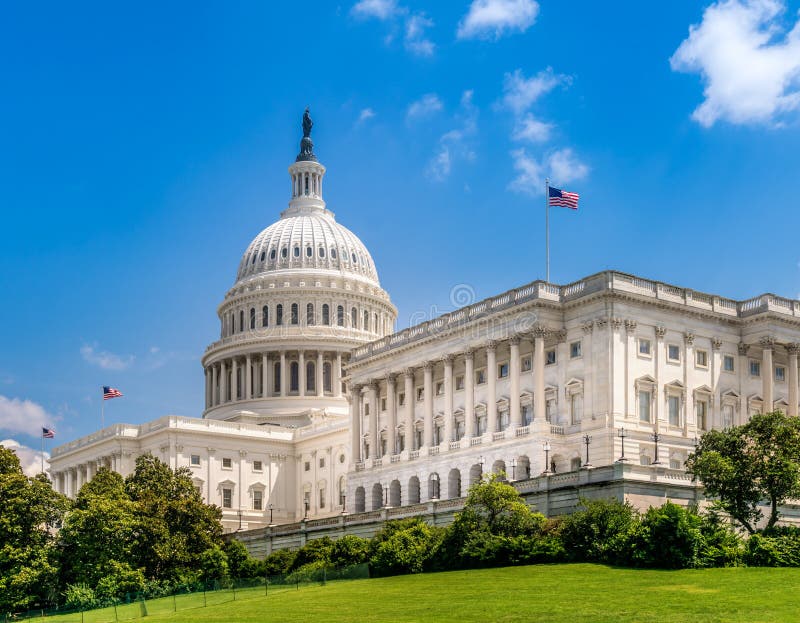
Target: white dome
x=308, y=239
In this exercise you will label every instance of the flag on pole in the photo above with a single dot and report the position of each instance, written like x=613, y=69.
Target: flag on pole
x=48, y=433
x=110, y=392
x=562, y=198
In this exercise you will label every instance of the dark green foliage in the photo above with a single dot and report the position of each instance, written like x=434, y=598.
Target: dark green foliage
x=600, y=532
x=348, y=551
x=279, y=562
x=214, y=564
x=747, y=464
x=779, y=547
x=240, y=563
x=314, y=551
x=403, y=546
x=722, y=547
x=29, y=507
x=79, y=597
x=670, y=538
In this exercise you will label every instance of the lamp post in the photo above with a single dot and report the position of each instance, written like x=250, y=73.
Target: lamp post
x=271, y=508
x=306, y=504
x=587, y=440
x=481, y=462
x=513, y=469
x=656, y=437
x=546, y=447
x=435, y=486
x=386, y=496
x=239, y=512
x=344, y=505
x=622, y=434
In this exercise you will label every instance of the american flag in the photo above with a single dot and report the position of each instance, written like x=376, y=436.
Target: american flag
x=48, y=433
x=110, y=392
x=562, y=198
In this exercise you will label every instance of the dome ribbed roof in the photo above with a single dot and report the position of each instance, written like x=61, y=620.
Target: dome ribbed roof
x=308, y=239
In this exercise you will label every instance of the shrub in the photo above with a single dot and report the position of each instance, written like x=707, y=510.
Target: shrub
x=240, y=563
x=310, y=572
x=79, y=597
x=601, y=532
x=279, y=562
x=404, y=548
x=778, y=547
x=670, y=538
x=119, y=580
x=349, y=550
x=313, y=551
x=722, y=547
x=214, y=564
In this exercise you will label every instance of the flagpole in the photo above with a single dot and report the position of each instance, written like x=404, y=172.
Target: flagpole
x=43, y=451
x=103, y=413
x=547, y=227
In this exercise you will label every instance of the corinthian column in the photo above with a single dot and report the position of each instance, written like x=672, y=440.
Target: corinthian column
x=214, y=385
x=355, y=423
x=408, y=375
x=513, y=371
x=427, y=380
x=539, y=409
x=248, y=376
x=767, y=344
x=448, y=400
x=320, y=374
x=469, y=394
x=223, y=382
x=491, y=389
x=374, y=449
x=391, y=406
x=793, y=349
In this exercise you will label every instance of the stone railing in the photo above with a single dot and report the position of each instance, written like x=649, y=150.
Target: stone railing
x=609, y=281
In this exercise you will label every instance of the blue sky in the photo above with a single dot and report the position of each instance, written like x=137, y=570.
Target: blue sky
x=146, y=145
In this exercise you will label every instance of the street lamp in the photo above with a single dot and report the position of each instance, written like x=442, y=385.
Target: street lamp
x=546, y=447
x=481, y=462
x=656, y=438
x=239, y=512
x=386, y=496
x=513, y=469
x=271, y=507
x=344, y=506
x=622, y=434
x=306, y=503
x=587, y=440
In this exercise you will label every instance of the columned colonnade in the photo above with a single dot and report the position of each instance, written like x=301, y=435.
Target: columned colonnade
x=71, y=480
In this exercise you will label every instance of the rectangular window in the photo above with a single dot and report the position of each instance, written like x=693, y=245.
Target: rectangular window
x=575, y=350
x=526, y=415
x=550, y=410
x=322, y=497
x=420, y=394
x=257, y=500
x=307, y=466
x=366, y=408
x=575, y=408
x=550, y=357
x=755, y=368
x=503, y=420
x=780, y=373
x=480, y=377
x=227, y=497
x=383, y=404
x=727, y=416
x=401, y=399
x=701, y=359
x=702, y=415
x=227, y=463
x=674, y=408
x=195, y=460
x=526, y=364
x=439, y=388
x=728, y=363
x=673, y=352
x=644, y=347
x=258, y=466
x=459, y=382
x=674, y=464
x=322, y=462
x=502, y=370
x=644, y=406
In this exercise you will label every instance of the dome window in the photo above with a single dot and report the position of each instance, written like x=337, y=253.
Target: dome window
x=284, y=252
x=263, y=256
x=297, y=251
x=272, y=254
x=326, y=316
x=255, y=255
x=279, y=314
x=294, y=312
x=309, y=252
x=333, y=253
x=355, y=259
x=322, y=251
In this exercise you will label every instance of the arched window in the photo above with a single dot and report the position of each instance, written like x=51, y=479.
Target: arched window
x=294, y=377
x=366, y=321
x=294, y=313
x=241, y=320
x=354, y=258
x=255, y=255
x=272, y=254
x=309, y=251
x=296, y=251
x=322, y=251
x=326, y=377
x=276, y=373
x=263, y=256
x=311, y=377
x=326, y=314
x=284, y=252
x=354, y=318
x=333, y=253
x=310, y=320
x=265, y=316
x=252, y=318
x=342, y=490
x=340, y=316
x=279, y=314
x=375, y=325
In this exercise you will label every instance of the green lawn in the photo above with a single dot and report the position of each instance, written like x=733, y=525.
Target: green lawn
x=572, y=593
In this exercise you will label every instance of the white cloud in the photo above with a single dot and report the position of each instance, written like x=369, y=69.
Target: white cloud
x=519, y=92
x=562, y=166
x=378, y=9
x=532, y=130
x=749, y=64
x=424, y=106
x=455, y=144
x=30, y=459
x=365, y=115
x=23, y=416
x=415, y=40
x=488, y=19
x=104, y=359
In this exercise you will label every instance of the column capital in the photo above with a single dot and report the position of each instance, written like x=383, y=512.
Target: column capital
x=767, y=342
x=374, y=385
x=588, y=327
x=630, y=325
x=688, y=337
x=540, y=332
x=491, y=345
x=716, y=343
x=661, y=332
x=560, y=335
x=448, y=359
x=742, y=348
x=390, y=378
x=427, y=366
x=514, y=340
x=616, y=323
x=469, y=354
x=793, y=348
x=408, y=372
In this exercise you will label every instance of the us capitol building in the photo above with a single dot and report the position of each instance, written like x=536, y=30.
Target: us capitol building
x=315, y=406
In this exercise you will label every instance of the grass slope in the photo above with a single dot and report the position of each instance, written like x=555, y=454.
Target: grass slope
x=573, y=593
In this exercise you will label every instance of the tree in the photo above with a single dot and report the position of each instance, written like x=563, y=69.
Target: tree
x=30, y=509
x=746, y=465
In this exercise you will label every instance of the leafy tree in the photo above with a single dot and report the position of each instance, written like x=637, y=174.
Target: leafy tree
x=748, y=464
x=213, y=564
x=30, y=509
x=600, y=532
x=403, y=546
x=349, y=550
x=240, y=563
x=279, y=562
x=314, y=551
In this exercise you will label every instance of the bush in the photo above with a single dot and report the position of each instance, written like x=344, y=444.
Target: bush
x=214, y=564
x=279, y=562
x=240, y=563
x=403, y=547
x=79, y=597
x=313, y=551
x=349, y=550
x=118, y=581
x=670, y=538
x=601, y=532
x=310, y=572
x=779, y=547
x=722, y=547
